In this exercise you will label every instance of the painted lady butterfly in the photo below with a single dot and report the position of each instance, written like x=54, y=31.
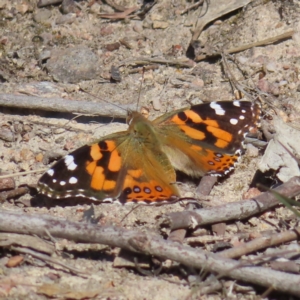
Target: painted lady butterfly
x=138, y=165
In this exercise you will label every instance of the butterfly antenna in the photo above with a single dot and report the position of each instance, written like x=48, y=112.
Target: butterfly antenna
x=139, y=97
x=106, y=101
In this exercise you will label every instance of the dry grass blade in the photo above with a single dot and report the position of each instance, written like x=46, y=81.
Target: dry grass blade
x=120, y=15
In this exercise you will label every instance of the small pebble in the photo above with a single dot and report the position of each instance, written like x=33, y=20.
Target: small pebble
x=156, y=104
x=65, y=19
x=263, y=85
x=292, y=86
x=160, y=25
x=95, y=8
x=271, y=66
x=42, y=16
x=252, y=151
x=138, y=27
x=283, y=83
x=274, y=89
x=14, y=261
x=198, y=83
x=68, y=6
x=22, y=7
x=6, y=134
x=218, y=22
x=242, y=59
x=112, y=46
x=26, y=154
x=39, y=157
x=7, y=183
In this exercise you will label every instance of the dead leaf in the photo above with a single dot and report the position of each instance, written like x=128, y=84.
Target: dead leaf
x=281, y=152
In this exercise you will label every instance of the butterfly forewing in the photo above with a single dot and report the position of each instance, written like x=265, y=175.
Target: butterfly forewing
x=211, y=135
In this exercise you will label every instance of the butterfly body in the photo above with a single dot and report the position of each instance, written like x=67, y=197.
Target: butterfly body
x=138, y=165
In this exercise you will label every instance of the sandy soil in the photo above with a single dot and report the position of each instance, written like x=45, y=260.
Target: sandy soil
x=49, y=54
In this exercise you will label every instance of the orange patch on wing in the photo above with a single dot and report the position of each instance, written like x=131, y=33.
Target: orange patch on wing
x=98, y=178
x=219, y=133
x=220, y=163
x=95, y=152
x=177, y=120
x=111, y=145
x=212, y=123
x=135, y=173
x=193, y=116
x=221, y=143
x=153, y=195
x=109, y=185
x=196, y=148
x=90, y=167
x=193, y=133
x=115, y=161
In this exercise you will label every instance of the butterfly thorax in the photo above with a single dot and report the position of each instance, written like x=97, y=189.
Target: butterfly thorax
x=142, y=129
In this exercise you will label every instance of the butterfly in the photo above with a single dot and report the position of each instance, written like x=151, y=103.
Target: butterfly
x=138, y=165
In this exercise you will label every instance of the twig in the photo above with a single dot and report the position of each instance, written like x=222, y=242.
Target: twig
x=275, y=39
x=43, y=3
x=204, y=188
x=186, y=63
x=142, y=242
x=63, y=105
x=232, y=211
x=14, y=193
x=120, y=15
x=262, y=243
x=23, y=173
x=48, y=259
x=195, y=5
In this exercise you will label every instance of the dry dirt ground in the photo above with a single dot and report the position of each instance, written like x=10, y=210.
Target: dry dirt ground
x=46, y=53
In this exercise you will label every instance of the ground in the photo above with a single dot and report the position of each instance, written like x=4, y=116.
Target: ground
x=46, y=53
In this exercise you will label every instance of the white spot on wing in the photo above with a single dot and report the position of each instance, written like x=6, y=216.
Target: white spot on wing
x=237, y=103
x=73, y=180
x=50, y=172
x=69, y=161
x=233, y=121
x=242, y=118
x=218, y=108
x=62, y=183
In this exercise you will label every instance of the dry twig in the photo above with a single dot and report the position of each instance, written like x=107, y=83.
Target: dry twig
x=186, y=63
x=63, y=105
x=120, y=15
x=232, y=211
x=262, y=243
x=268, y=41
x=142, y=242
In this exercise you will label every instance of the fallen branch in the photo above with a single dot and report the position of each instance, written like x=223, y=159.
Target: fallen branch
x=49, y=260
x=232, y=211
x=148, y=243
x=183, y=63
x=268, y=41
x=262, y=243
x=63, y=105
